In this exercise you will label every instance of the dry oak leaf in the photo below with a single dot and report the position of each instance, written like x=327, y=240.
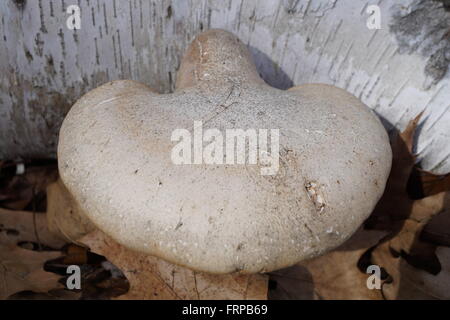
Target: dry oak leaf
x=335, y=275
x=22, y=270
x=411, y=262
x=409, y=282
x=418, y=269
x=396, y=206
x=424, y=183
x=24, y=226
x=438, y=229
x=152, y=278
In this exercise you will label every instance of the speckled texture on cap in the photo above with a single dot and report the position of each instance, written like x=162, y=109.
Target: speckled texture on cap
x=115, y=158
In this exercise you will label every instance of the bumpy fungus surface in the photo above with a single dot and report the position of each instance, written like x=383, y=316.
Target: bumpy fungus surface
x=115, y=158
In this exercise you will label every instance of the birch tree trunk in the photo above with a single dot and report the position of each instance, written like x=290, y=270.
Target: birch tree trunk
x=398, y=70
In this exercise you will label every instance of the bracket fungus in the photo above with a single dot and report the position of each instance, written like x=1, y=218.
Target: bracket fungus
x=116, y=159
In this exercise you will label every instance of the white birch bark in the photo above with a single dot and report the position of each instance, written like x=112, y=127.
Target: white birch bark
x=398, y=70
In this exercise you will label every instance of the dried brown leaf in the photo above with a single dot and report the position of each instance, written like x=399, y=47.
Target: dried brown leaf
x=409, y=282
x=423, y=183
x=410, y=261
x=438, y=229
x=22, y=270
x=152, y=278
x=24, y=226
x=395, y=205
x=332, y=276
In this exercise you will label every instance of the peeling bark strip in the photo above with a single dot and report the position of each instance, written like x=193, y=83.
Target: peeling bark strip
x=398, y=70
x=425, y=29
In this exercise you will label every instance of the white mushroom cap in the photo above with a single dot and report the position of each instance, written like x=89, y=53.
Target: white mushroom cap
x=115, y=158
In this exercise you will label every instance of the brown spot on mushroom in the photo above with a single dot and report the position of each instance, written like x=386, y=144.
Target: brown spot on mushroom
x=315, y=195
x=179, y=225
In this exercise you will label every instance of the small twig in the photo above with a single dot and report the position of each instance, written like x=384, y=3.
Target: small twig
x=34, y=219
x=195, y=283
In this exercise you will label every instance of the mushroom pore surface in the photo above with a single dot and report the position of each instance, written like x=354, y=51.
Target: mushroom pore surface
x=115, y=153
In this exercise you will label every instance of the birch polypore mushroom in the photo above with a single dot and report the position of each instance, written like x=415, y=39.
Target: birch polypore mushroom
x=154, y=171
